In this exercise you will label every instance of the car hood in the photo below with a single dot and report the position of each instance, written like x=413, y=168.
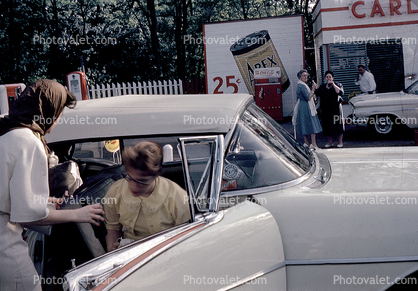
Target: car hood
x=373, y=99
x=387, y=170
x=366, y=210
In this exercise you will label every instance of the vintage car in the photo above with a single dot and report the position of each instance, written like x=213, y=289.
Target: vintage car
x=383, y=111
x=267, y=212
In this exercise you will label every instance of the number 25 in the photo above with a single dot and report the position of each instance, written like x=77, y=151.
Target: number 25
x=228, y=84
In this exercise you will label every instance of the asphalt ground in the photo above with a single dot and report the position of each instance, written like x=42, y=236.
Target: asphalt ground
x=362, y=136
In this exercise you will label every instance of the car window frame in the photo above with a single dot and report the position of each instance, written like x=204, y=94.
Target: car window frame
x=214, y=180
x=314, y=164
x=410, y=87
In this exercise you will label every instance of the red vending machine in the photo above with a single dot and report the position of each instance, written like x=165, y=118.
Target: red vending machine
x=268, y=91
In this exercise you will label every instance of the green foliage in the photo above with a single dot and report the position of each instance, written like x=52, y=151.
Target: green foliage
x=115, y=39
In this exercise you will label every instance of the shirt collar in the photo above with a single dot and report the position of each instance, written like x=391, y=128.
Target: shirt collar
x=153, y=201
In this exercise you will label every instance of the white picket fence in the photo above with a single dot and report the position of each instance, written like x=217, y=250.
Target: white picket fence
x=170, y=87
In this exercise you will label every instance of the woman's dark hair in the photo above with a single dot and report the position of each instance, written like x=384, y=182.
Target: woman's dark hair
x=41, y=104
x=146, y=156
x=329, y=72
x=38, y=108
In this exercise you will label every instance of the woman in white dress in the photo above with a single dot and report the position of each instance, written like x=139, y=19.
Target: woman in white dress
x=24, y=192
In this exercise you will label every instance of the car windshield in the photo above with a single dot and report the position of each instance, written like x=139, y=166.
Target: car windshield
x=413, y=89
x=262, y=153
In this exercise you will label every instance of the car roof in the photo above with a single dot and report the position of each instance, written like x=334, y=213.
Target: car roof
x=142, y=115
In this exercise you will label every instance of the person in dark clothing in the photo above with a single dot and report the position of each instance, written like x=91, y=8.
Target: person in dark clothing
x=330, y=105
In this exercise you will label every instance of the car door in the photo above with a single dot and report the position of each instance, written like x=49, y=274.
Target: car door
x=239, y=247
x=410, y=105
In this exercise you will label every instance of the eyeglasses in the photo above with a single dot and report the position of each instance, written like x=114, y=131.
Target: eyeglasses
x=305, y=75
x=142, y=182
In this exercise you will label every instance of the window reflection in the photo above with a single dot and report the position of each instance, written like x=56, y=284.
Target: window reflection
x=262, y=154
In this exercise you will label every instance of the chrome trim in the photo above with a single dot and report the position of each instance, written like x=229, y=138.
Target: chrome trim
x=90, y=282
x=210, y=219
x=324, y=173
x=252, y=277
x=217, y=172
x=352, y=261
x=106, y=265
x=216, y=158
x=319, y=262
x=122, y=256
x=185, y=175
x=183, y=154
x=238, y=115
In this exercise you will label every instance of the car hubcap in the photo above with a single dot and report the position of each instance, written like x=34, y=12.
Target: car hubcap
x=383, y=124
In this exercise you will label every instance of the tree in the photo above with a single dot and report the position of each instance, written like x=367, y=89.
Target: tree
x=118, y=40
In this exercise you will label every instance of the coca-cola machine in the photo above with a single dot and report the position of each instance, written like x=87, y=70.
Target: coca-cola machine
x=268, y=91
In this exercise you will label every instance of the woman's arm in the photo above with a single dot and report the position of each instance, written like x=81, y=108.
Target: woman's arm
x=336, y=88
x=89, y=213
x=305, y=93
x=314, y=87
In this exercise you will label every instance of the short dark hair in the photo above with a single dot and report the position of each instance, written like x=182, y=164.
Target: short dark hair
x=329, y=72
x=361, y=66
x=146, y=156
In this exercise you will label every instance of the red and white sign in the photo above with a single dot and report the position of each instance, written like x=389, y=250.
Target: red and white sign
x=233, y=50
x=369, y=21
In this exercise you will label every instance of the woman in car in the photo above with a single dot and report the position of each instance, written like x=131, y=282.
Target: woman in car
x=24, y=192
x=143, y=203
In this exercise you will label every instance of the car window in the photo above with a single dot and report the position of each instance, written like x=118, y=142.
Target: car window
x=262, y=153
x=413, y=89
x=168, y=141
x=104, y=150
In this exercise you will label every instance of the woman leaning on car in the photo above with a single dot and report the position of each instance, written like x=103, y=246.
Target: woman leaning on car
x=330, y=105
x=24, y=192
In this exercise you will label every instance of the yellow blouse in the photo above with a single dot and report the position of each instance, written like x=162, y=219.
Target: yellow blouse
x=138, y=217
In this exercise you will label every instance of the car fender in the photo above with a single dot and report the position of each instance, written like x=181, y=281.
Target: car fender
x=386, y=104
x=243, y=245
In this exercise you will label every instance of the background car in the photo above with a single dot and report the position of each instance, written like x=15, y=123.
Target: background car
x=383, y=111
x=267, y=213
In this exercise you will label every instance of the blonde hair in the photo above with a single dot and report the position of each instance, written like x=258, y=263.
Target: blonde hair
x=146, y=156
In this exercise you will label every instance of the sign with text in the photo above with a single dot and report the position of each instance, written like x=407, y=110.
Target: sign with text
x=234, y=50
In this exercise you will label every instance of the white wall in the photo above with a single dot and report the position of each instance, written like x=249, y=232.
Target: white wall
x=287, y=36
x=336, y=22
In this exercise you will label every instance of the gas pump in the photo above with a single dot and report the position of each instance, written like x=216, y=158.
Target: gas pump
x=77, y=84
x=8, y=94
x=268, y=91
